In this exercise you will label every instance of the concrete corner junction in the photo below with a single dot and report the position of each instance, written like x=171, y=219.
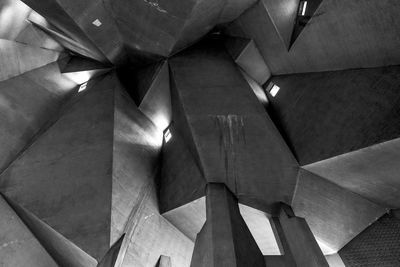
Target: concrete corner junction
x=199, y=133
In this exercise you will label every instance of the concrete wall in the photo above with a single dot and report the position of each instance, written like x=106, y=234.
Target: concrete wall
x=27, y=103
x=326, y=114
x=64, y=178
x=339, y=36
x=18, y=246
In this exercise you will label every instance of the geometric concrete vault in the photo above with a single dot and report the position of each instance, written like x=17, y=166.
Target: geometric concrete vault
x=199, y=133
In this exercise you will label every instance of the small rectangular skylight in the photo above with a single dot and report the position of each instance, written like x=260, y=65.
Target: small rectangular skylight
x=303, y=7
x=274, y=90
x=97, y=23
x=167, y=135
x=82, y=87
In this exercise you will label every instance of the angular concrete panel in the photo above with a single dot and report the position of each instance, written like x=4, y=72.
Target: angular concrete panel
x=156, y=104
x=334, y=214
x=188, y=218
x=63, y=251
x=136, y=147
x=151, y=235
x=339, y=36
x=371, y=172
x=67, y=171
x=326, y=114
x=28, y=103
x=18, y=246
x=17, y=58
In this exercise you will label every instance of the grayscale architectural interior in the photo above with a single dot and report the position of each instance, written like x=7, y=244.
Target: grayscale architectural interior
x=199, y=133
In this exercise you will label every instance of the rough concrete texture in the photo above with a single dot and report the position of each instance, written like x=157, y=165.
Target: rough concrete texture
x=235, y=141
x=18, y=246
x=64, y=27
x=326, y=114
x=68, y=170
x=357, y=35
x=17, y=58
x=370, y=172
x=188, y=218
x=27, y=103
x=136, y=146
x=334, y=214
x=63, y=251
x=151, y=235
x=15, y=26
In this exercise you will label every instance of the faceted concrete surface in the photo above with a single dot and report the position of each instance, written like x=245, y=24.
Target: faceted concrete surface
x=370, y=172
x=339, y=36
x=334, y=214
x=18, y=246
x=97, y=154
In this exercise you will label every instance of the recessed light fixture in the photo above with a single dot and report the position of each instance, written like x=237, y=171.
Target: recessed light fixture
x=274, y=90
x=167, y=135
x=97, y=23
x=82, y=87
x=303, y=7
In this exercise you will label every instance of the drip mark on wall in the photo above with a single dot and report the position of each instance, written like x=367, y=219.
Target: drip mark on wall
x=231, y=137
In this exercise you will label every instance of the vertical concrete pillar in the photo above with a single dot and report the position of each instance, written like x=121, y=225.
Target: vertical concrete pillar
x=225, y=240
x=298, y=242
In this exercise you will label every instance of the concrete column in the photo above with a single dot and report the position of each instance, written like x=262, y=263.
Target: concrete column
x=298, y=242
x=224, y=239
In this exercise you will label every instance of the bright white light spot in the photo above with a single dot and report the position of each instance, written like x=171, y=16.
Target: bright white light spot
x=274, y=90
x=167, y=135
x=97, y=23
x=82, y=87
x=303, y=7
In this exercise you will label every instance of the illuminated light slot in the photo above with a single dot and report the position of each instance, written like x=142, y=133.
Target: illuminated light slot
x=82, y=87
x=303, y=7
x=274, y=90
x=167, y=135
x=97, y=23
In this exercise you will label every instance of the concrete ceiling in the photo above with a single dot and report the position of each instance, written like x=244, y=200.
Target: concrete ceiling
x=37, y=79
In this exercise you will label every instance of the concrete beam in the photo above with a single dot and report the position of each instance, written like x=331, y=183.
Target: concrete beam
x=225, y=239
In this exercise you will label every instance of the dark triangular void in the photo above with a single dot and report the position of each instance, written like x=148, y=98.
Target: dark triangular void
x=306, y=10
